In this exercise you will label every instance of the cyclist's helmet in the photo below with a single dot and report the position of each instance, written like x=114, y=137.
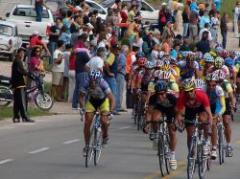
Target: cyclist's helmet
x=188, y=84
x=149, y=65
x=95, y=75
x=142, y=61
x=223, y=54
x=208, y=58
x=218, y=62
x=161, y=85
x=229, y=62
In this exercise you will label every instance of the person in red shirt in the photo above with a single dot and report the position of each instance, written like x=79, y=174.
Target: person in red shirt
x=191, y=103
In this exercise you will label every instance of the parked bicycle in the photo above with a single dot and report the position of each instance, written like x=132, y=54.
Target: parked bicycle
x=42, y=99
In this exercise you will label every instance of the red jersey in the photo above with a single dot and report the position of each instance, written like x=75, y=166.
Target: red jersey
x=200, y=100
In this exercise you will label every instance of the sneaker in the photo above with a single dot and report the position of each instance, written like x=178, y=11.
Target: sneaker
x=105, y=140
x=214, y=154
x=229, y=151
x=173, y=164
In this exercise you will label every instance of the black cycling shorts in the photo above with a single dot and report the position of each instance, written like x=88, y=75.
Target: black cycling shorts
x=191, y=114
x=228, y=107
x=169, y=112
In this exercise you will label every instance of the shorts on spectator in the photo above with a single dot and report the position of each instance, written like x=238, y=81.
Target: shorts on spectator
x=57, y=78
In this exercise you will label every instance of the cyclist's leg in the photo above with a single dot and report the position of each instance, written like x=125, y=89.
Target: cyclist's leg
x=105, y=109
x=190, y=114
x=88, y=121
x=227, y=129
x=156, y=117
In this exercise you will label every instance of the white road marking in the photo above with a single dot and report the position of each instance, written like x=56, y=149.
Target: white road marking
x=7, y=127
x=6, y=161
x=125, y=127
x=71, y=141
x=39, y=150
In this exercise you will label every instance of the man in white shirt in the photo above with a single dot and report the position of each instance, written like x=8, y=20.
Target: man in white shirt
x=57, y=71
x=206, y=28
x=97, y=62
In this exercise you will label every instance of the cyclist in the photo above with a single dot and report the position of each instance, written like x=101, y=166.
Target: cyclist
x=218, y=107
x=230, y=104
x=163, y=103
x=99, y=97
x=192, y=102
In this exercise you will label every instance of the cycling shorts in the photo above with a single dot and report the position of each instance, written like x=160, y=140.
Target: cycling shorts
x=228, y=107
x=169, y=112
x=92, y=106
x=191, y=114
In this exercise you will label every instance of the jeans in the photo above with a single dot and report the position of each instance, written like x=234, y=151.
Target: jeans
x=52, y=47
x=81, y=78
x=224, y=39
x=113, y=85
x=120, y=79
x=39, y=11
x=185, y=29
x=71, y=84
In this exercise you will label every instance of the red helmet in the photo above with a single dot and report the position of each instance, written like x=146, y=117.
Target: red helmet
x=223, y=54
x=142, y=61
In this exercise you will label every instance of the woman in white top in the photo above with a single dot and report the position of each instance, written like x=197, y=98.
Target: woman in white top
x=236, y=19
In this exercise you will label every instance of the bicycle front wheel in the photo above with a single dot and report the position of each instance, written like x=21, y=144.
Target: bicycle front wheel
x=97, y=145
x=192, y=157
x=89, y=152
x=43, y=101
x=221, y=145
x=202, y=163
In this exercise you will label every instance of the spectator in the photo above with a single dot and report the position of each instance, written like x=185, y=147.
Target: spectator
x=111, y=69
x=214, y=22
x=224, y=29
x=53, y=37
x=39, y=10
x=204, y=20
x=65, y=36
x=193, y=27
x=66, y=56
x=57, y=71
x=185, y=17
x=194, y=7
x=236, y=19
x=204, y=45
x=218, y=4
x=162, y=19
x=120, y=78
x=19, y=86
x=71, y=76
x=82, y=59
x=206, y=28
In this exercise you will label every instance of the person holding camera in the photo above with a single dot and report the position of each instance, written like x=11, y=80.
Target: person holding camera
x=57, y=71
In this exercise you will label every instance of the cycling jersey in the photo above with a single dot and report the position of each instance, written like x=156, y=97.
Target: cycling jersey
x=186, y=71
x=201, y=99
x=217, y=100
x=167, y=107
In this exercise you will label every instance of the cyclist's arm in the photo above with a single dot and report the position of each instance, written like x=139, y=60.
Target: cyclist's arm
x=82, y=100
x=112, y=101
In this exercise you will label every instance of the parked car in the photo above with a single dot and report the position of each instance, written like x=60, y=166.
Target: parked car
x=24, y=16
x=148, y=13
x=9, y=39
x=57, y=6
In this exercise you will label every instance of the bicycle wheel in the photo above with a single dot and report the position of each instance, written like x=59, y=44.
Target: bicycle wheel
x=6, y=96
x=139, y=115
x=43, y=101
x=202, y=162
x=161, y=155
x=166, y=150
x=192, y=157
x=97, y=145
x=221, y=144
x=89, y=152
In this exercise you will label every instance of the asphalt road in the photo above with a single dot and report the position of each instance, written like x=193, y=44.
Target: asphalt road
x=51, y=148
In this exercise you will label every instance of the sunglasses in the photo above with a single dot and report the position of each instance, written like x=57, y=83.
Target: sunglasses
x=210, y=85
x=161, y=93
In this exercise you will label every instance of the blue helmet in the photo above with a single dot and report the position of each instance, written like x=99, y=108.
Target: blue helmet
x=208, y=58
x=229, y=61
x=95, y=75
x=161, y=85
